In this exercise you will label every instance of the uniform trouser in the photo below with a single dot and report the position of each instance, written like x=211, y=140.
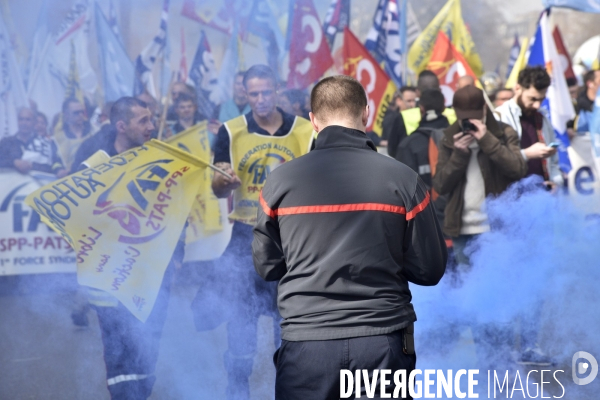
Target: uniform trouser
x=131, y=346
x=311, y=369
x=247, y=297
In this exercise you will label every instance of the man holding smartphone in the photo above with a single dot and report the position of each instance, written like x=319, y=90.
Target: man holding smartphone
x=536, y=134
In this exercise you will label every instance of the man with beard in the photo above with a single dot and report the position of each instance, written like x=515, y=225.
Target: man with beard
x=535, y=131
x=248, y=148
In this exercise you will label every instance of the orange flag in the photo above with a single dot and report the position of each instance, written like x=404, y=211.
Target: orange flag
x=359, y=64
x=449, y=65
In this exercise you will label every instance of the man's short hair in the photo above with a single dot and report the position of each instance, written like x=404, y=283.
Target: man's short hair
x=432, y=100
x=67, y=102
x=183, y=97
x=534, y=76
x=122, y=109
x=338, y=95
x=41, y=115
x=589, y=76
x=259, y=71
x=407, y=89
x=427, y=80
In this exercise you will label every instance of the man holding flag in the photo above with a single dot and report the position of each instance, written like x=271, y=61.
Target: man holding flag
x=130, y=344
x=248, y=148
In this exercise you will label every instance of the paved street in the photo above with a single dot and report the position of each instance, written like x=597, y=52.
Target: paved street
x=44, y=356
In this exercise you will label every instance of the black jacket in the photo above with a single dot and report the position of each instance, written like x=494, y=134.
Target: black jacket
x=394, y=130
x=345, y=229
x=103, y=140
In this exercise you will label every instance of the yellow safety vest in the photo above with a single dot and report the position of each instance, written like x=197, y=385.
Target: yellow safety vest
x=412, y=118
x=254, y=156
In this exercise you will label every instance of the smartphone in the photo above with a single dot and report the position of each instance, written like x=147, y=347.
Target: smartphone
x=468, y=126
x=554, y=145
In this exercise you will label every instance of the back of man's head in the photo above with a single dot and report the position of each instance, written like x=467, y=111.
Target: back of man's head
x=339, y=99
x=427, y=80
x=122, y=109
x=536, y=77
x=432, y=100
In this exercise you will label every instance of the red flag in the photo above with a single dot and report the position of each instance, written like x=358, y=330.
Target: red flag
x=359, y=64
x=449, y=65
x=183, y=69
x=310, y=55
x=565, y=59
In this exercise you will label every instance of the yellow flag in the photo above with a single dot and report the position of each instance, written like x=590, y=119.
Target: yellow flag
x=68, y=147
x=205, y=217
x=124, y=218
x=520, y=64
x=449, y=20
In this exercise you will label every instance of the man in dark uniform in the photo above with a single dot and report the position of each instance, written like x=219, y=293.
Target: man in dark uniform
x=344, y=229
x=248, y=148
x=130, y=346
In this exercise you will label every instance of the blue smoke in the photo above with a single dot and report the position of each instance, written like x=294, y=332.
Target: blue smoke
x=539, y=267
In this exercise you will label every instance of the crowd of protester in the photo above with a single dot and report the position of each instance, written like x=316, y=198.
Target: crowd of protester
x=462, y=153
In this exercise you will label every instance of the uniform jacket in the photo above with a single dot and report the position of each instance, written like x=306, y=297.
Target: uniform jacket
x=345, y=229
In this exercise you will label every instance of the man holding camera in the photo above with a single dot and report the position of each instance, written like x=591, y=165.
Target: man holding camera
x=478, y=156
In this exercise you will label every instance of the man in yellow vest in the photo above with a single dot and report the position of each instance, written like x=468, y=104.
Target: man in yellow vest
x=248, y=148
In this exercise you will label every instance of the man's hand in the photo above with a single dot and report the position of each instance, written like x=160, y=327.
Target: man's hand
x=552, y=187
x=481, y=129
x=62, y=173
x=213, y=126
x=539, y=150
x=223, y=186
x=23, y=166
x=462, y=141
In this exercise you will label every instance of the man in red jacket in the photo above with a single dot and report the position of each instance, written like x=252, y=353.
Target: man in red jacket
x=344, y=229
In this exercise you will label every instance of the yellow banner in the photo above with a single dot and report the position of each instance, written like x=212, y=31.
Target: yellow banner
x=205, y=217
x=449, y=20
x=520, y=64
x=124, y=218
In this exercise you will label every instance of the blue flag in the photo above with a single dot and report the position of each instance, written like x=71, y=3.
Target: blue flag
x=515, y=50
x=117, y=69
x=144, y=63
x=336, y=19
x=557, y=105
x=591, y=6
x=204, y=75
x=386, y=40
x=262, y=23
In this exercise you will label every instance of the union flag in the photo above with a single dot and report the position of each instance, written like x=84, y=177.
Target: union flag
x=449, y=65
x=359, y=64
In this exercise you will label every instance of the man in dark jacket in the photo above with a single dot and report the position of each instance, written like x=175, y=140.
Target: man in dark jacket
x=414, y=150
x=473, y=163
x=130, y=346
x=344, y=229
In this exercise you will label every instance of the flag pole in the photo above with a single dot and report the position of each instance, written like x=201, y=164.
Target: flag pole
x=163, y=117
